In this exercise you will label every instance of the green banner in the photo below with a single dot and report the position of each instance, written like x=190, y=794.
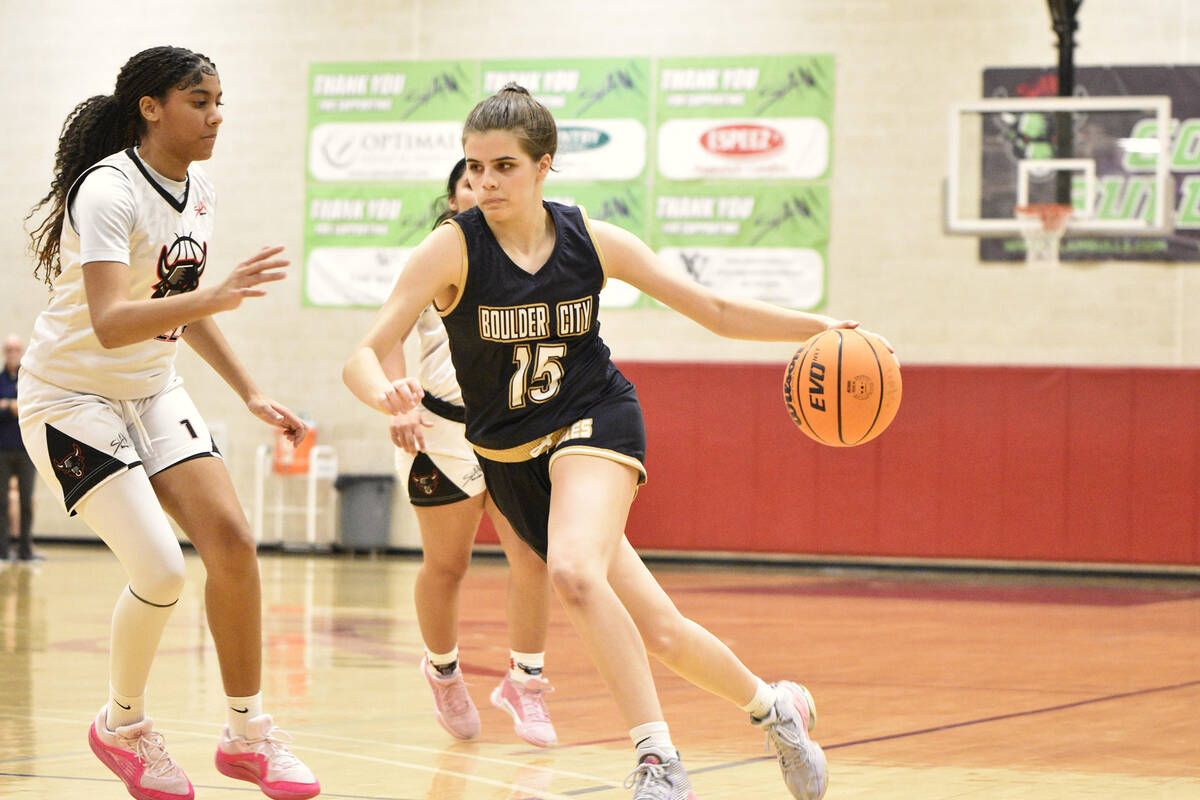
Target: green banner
x=756, y=240
x=720, y=163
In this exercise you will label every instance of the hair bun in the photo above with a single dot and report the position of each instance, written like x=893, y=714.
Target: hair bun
x=513, y=86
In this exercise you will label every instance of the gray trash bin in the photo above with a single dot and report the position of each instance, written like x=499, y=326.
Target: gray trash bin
x=365, y=518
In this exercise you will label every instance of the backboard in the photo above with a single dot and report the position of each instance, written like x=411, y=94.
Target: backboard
x=1109, y=157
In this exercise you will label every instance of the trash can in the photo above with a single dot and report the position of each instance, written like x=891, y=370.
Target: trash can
x=365, y=516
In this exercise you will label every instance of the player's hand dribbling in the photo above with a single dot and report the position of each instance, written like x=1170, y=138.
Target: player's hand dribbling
x=852, y=324
x=262, y=267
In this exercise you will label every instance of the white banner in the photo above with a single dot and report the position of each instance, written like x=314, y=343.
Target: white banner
x=786, y=147
x=384, y=151
x=600, y=150
x=353, y=276
x=787, y=276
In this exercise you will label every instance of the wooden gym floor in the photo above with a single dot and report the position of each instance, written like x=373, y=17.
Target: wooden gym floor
x=929, y=685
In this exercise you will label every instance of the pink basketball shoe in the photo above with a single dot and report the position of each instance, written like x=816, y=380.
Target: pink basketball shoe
x=137, y=755
x=452, y=704
x=526, y=702
x=262, y=757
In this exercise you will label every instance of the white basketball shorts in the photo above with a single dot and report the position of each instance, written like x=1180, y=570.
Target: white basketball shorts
x=80, y=441
x=447, y=471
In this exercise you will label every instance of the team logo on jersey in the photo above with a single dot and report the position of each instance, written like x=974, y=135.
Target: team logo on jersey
x=72, y=463
x=180, y=267
x=426, y=484
x=200, y=209
x=78, y=466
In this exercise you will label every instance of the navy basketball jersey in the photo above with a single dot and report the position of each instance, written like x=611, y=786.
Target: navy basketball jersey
x=526, y=347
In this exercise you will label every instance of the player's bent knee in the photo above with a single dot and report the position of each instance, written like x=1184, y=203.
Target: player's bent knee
x=160, y=584
x=446, y=570
x=573, y=583
x=663, y=639
x=228, y=546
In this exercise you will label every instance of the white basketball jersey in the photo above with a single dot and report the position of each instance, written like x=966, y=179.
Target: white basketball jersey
x=166, y=248
x=437, y=371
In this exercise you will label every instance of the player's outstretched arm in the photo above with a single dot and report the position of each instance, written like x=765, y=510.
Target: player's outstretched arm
x=119, y=321
x=206, y=339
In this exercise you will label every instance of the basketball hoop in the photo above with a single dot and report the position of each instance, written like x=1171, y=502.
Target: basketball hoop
x=1043, y=226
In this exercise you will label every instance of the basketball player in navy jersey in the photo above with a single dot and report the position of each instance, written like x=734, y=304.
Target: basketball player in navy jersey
x=124, y=247
x=558, y=428
x=449, y=495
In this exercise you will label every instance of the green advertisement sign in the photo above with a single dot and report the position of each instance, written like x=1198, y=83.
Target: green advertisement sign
x=720, y=163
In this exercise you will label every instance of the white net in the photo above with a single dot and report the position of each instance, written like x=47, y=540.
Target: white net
x=1042, y=228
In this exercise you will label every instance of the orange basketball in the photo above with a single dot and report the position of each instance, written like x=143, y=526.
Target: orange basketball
x=842, y=387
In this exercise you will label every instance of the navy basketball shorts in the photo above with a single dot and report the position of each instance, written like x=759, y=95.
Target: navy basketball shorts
x=446, y=471
x=78, y=442
x=519, y=477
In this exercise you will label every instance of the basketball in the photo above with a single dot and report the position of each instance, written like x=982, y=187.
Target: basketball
x=842, y=387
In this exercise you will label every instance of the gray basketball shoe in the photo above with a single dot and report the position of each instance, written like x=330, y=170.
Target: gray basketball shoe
x=659, y=777
x=801, y=760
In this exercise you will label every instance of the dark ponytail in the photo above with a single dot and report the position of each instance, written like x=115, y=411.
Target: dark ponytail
x=103, y=125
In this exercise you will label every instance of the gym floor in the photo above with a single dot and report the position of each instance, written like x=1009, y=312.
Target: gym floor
x=929, y=684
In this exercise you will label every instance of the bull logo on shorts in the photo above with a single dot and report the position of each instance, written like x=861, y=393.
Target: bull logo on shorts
x=427, y=484
x=180, y=267
x=73, y=463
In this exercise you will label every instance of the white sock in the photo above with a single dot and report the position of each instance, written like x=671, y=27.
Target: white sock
x=525, y=665
x=443, y=663
x=652, y=736
x=763, y=701
x=240, y=710
x=124, y=709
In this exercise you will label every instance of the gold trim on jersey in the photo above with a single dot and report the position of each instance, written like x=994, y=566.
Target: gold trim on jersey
x=580, y=429
x=587, y=223
x=524, y=452
x=462, y=273
x=600, y=452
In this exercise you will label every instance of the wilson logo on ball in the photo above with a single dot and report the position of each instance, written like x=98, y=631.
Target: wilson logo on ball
x=741, y=140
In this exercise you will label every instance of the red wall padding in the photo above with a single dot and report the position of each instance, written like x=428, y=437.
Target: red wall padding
x=1024, y=463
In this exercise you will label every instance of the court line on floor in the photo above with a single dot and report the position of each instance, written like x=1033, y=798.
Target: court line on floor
x=472, y=756
x=179, y=727
x=206, y=787
x=542, y=794
x=1014, y=715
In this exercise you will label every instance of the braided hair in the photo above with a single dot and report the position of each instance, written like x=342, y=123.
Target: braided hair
x=103, y=125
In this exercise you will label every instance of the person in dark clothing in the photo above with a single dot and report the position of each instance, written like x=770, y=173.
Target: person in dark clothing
x=14, y=461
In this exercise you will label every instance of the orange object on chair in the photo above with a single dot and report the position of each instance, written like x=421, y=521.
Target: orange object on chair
x=292, y=460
